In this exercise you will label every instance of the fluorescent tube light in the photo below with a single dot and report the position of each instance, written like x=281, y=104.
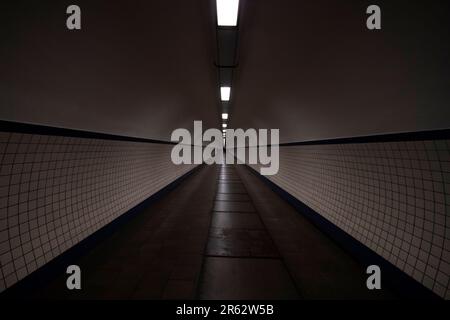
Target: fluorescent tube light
x=225, y=93
x=227, y=12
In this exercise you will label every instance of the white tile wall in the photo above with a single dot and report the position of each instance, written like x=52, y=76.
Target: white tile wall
x=394, y=197
x=55, y=191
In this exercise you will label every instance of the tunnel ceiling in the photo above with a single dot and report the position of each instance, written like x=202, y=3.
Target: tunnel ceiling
x=144, y=68
x=136, y=68
x=312, y=69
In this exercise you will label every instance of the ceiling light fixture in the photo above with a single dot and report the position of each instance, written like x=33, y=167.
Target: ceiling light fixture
x=224, y=116
x=227, y=12
x=225, y=93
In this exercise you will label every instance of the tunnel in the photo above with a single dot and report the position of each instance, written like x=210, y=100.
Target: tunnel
x=224, y=150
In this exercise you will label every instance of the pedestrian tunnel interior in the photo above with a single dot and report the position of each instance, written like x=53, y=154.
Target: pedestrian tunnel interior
x=353, y=121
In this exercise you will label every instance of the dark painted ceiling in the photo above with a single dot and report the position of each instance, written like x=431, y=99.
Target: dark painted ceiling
x=144, y=68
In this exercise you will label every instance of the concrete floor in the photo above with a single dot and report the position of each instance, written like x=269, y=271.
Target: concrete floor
x=221, y=234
